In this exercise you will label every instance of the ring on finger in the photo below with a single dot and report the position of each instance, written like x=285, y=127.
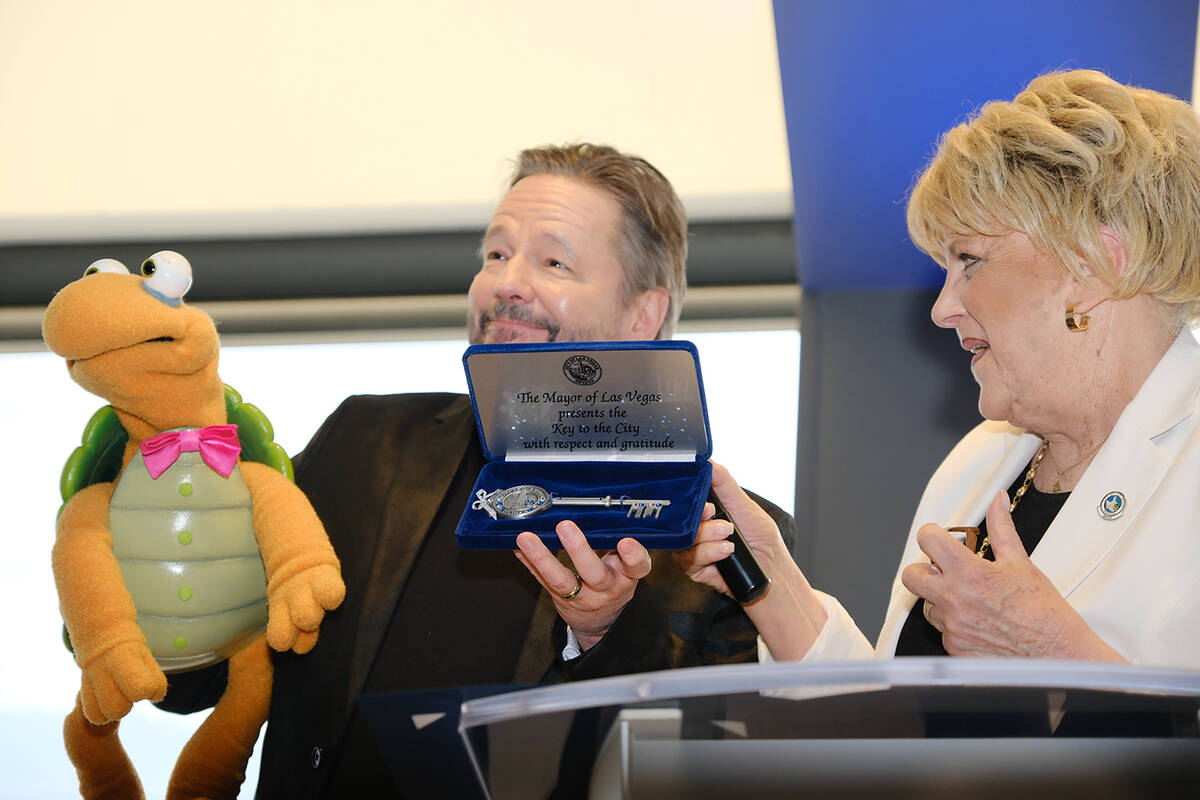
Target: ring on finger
x=571, y=595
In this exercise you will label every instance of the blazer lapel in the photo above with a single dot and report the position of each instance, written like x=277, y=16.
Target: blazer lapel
x=975, y=500
x=1133, y=461
x=432, y=453
x=963, y=487
x=967, y=489
x=1080, y=538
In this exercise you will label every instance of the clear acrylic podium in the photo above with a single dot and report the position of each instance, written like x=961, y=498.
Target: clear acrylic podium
x=900, y=728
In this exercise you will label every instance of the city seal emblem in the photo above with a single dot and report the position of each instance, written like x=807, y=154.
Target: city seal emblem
x=582, y=370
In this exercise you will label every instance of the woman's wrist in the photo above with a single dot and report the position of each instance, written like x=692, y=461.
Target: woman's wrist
x=789, y=617
x=1087, y=645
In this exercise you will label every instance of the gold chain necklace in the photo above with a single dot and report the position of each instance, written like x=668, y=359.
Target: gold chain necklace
x=1029, y=476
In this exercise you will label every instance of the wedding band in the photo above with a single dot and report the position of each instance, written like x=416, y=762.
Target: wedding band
x=574, y=592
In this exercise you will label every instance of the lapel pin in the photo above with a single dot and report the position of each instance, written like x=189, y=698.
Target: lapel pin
x=1112, y=506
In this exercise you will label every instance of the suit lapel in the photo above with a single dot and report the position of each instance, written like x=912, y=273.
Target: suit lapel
x=537, y=651
x=430, y=456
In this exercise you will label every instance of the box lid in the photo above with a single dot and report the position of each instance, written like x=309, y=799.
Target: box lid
x=589, y=401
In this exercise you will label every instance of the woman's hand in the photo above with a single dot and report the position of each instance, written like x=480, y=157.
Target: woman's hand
x=789, y=616
x=711, y=545
x=605, y=581
x=1003, y=608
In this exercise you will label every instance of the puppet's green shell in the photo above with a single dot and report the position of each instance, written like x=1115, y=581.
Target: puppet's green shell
x=98, y=458
x=256, y=434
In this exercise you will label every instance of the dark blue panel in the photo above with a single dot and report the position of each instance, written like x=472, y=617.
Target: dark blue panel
x=869, y=85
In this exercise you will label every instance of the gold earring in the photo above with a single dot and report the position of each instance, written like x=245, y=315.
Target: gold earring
x=1077, y=321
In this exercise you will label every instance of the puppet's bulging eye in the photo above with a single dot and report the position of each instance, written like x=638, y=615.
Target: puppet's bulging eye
x=106, y=265
x=167, y=275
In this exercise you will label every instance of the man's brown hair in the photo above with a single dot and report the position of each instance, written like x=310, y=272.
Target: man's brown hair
x=653, y=244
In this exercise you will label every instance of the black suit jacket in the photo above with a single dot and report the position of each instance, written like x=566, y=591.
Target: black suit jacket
x=378, y=473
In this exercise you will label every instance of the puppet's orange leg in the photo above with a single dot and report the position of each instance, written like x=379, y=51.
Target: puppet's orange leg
x=213, y=763
x=104, y=769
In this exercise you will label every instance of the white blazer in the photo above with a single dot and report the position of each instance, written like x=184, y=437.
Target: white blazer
x=1134, y=579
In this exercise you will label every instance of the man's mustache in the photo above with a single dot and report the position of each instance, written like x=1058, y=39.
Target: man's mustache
x=502, y=309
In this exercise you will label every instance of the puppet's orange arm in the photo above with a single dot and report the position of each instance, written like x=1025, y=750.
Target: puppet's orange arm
x=303, y=575
x=118, y=669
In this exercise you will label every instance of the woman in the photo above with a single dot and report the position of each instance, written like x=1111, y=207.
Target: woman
x=1068, y=224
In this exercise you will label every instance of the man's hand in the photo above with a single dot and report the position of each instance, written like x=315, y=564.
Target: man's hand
x=606, y=581
x=1003, y=608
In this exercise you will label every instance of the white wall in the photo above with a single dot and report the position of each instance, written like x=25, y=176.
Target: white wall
x=130, y=117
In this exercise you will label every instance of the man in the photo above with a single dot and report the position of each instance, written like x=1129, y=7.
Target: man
x=587, y=244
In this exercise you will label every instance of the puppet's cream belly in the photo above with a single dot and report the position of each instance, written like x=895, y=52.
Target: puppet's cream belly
x=186, y=547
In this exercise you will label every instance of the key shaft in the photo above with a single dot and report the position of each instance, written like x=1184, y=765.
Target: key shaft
x=527, y=500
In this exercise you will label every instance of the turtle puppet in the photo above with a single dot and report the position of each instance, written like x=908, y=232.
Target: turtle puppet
x=192, y=555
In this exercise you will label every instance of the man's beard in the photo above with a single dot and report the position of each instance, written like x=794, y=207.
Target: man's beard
x=502, y=309
x=478, y=325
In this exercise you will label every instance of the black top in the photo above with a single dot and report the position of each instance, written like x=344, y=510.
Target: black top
x=1032, y=517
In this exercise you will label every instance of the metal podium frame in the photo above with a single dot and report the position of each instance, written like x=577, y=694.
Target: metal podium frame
x=646, y=723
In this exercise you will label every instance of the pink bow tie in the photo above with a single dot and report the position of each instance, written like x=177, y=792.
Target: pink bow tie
x=218, y=446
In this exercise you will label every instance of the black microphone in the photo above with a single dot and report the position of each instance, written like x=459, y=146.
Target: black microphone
x=742, y=573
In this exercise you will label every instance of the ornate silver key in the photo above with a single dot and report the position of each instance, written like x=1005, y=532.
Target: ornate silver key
x=527, y=500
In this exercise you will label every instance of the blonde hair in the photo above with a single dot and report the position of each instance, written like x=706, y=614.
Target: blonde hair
x=653, y=245
x=1073, y=152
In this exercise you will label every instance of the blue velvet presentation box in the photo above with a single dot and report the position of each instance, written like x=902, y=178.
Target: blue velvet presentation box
x=622, y=424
